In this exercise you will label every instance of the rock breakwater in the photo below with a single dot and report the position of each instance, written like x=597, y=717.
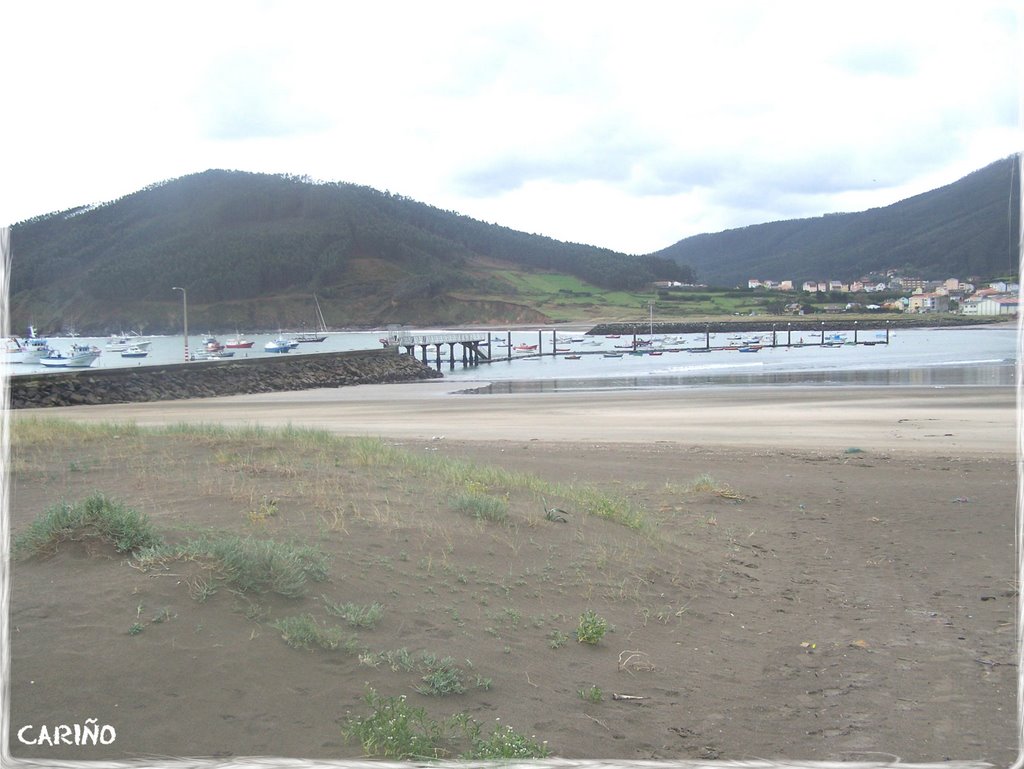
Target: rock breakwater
x=212, y=378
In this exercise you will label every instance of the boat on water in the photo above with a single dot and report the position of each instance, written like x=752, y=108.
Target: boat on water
x=238, y=342
x=525, y=347
x=220, y=354
x=314, y=336
x=212, y=344
x=79, y=356
x=28, y=351
x=751, y=348
x=613, y=355
x=121, y=342
x=572, y=357
x=278, y=345
x=135, y=351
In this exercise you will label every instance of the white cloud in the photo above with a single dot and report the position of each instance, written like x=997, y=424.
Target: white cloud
x=627, y=127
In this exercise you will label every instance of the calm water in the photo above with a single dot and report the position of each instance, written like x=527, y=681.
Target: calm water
x=977, y=356
x=981, y=356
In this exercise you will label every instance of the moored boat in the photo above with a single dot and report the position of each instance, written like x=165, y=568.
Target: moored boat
x=135, y=351
x=314, y=336
x=278, y=345
x=212, y=344
x=29, y=351
x=238, y=342
x=79, y=356
x=121, y=342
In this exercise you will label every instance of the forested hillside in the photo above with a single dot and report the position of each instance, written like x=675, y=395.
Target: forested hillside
x=234, y=237
x=967, y=228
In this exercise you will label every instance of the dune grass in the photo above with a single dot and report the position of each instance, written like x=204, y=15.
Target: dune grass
x=95, y=516
x=387, y=460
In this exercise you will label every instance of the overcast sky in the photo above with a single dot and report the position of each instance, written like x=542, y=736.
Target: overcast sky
x=628, y=126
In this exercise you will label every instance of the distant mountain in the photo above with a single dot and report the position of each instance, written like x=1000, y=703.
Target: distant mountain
x=251, y=249
x=967, y=228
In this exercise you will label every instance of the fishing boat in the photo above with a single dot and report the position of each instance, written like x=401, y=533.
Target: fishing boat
x=321, y=333
x=278, y=345
x=79, y=356
x=211, y=344
x=238, y=342
x=135, y=351
x=28, y=351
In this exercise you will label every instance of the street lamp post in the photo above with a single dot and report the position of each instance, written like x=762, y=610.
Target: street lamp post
x=184, y=300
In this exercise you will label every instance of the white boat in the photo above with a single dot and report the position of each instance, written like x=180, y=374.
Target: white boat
x=135, y=351
x=279, y=345
x=213, y=354
x=79, y=356
x=121, y=342
x=29, y=351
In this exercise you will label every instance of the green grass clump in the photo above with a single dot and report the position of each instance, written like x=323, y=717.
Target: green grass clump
x=95, y=516
x=501, y=743
x=304, y=632
x=355, y=614
x=249, y=564
x=483, y=507
x=441, y=676
x=591, y=628
x=395, y=729
x=593, y=694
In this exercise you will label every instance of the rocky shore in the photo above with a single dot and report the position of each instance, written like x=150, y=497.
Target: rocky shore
x=213, y=378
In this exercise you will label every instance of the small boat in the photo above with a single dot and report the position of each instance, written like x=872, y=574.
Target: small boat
x=79, y=356
x=699, y=349
x=213, y=354
x=238, y=342
x=654, y=352
x=211, y=344
x=278, y=345
x=135, y=352
x=525, y=347
x=121, y=342
x=571, y=357
x=752, y=348
x=613, y=355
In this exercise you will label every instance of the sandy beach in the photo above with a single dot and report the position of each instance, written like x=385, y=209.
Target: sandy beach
x=841, y=586
x=953, y=420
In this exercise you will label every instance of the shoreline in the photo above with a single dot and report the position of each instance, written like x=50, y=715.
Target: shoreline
x=973, y=420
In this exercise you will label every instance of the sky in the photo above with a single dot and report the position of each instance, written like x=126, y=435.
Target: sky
x=627, y=126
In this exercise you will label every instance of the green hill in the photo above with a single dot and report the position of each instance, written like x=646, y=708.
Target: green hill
x=964, y=229
x=251, y=249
